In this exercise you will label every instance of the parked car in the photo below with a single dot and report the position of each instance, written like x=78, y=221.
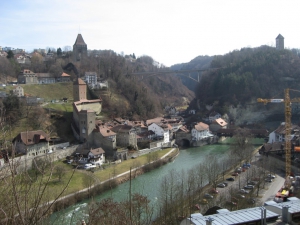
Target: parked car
x=269, y=180
x=89, y=166
x=243, y=191
x=234, y=174
x=230, y=179
x=221, y=185
x=214, y=191
x=208, y=196
x=251, y=200
x=271, y=176
x=230, y=203
x=240, y=196
x=246, y=165
x=238, y=170
x=249, y=186
x=251, y=182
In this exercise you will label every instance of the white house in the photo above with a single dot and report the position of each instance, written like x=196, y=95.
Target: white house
x=102, y=84
x=97, y=156
x=94, y=156
x=90, y=78
x=18, y=91
x=278, y=135
x=160, y=131
x=201, y=131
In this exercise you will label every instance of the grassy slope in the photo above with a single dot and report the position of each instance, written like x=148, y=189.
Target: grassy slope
x=48, y=92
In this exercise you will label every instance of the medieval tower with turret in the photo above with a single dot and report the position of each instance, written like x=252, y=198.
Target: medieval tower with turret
x=280, y=42
x=79, y=48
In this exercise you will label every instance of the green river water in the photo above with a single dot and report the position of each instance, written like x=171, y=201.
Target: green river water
x=146, y=184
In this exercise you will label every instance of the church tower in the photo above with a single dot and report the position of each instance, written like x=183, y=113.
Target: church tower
x=79, y=48
x=280, y=42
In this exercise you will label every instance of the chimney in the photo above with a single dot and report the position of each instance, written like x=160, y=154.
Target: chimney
x=285, y=214
x=209, y=221
x=263, y=215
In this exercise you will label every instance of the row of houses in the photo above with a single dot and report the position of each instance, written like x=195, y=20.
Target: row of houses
x=116, y=134
x=28, y=77
x=276, y=140
x=119, y=134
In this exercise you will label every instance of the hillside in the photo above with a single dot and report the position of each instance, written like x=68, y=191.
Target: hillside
x=131, y=96
x=128, y=96
x=200, y=62
x=246, y=75
x=48, y=92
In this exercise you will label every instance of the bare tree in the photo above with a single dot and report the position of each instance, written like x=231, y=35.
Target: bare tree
x=60, y=172
x=242, y=144
x=213, y=169
x=108, y=211
x=25, y=195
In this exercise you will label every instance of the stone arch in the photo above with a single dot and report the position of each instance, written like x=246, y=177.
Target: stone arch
x=185, y=143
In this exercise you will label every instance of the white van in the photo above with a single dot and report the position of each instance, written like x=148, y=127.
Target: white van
x=89, y=166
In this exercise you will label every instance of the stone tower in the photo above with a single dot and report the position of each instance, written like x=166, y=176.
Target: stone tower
x=280, y=42
x=79, y=90
x=79, y=48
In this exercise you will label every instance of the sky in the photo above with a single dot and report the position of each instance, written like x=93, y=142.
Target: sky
x=170, y=31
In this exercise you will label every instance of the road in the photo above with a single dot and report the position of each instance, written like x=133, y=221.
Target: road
x=266, y=194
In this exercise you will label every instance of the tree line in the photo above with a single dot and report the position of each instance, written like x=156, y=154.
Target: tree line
x=248, y=74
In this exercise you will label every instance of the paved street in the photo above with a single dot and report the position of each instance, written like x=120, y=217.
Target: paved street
x=266, y=194
x=273, y=188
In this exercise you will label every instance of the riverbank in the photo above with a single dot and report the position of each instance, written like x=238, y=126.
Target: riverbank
x=114, y=181
x=148, y=184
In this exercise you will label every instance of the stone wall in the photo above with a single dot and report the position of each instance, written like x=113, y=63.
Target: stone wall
x=26, y=162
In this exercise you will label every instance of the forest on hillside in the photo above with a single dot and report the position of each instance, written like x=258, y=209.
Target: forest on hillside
x=199, y=63
x=131, y=96
x=247, y=74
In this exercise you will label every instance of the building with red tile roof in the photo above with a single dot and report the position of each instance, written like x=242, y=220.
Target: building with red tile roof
x=32, y=143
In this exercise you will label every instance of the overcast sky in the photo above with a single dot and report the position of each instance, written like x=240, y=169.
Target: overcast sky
x=170, y=31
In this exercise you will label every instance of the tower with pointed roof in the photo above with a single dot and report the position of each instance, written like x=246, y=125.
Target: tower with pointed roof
x=79, y=48
x=280, y=42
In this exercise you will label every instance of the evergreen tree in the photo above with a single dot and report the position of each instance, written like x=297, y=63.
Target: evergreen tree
x=59, y=52
x=10, y=54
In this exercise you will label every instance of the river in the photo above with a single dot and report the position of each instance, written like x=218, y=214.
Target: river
x=147, y=184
